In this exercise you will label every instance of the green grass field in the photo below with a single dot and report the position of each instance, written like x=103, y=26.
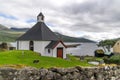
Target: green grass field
x=26, y=58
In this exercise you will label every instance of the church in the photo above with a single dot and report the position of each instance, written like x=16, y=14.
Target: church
x=42, y=40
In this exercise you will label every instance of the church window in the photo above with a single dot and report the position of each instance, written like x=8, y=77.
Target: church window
x=31, y=45
x=48, y=50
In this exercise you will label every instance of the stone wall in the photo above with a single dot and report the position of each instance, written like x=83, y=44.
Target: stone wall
x=76, y=73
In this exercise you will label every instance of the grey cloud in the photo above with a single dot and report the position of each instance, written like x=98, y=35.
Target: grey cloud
x=95, y=6
x=95, y=16
x=87, y=27
x=102, y=13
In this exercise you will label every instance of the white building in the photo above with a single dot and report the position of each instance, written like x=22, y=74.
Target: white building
x=42, y=40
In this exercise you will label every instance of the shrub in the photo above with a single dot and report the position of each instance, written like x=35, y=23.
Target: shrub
x=99, y=53
x=113, y=59
x=3, y=46
x=106, y=59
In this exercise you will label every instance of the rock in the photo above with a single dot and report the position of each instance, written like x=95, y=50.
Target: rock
x=1, y=78
x=77, y=73
x=98, y=76
x=28, y=74
x=79, y=68
x=43, y=72
x=53, y=69
x=50, y=75
x=62, y=71
x=7, y=73
x=71, y=70
x=64, y=77
x=89, y=74
x=57, y=76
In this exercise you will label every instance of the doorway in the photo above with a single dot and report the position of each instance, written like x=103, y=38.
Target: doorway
x=60, y=52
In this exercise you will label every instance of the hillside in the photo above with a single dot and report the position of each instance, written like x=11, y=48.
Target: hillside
x=9, y=36
x=26, y=58
x=72, y=39
x=3, y=27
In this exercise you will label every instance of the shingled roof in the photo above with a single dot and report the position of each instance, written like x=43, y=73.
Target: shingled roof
x=53, y=44
x=39, y=32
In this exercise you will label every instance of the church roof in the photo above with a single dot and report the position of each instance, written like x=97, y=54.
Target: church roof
x=39, y=32
x=53, y=44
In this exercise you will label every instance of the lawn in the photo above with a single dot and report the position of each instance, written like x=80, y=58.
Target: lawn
x=26, y=58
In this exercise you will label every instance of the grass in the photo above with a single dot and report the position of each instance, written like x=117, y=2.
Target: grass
x=26, y=58
x=91, y=58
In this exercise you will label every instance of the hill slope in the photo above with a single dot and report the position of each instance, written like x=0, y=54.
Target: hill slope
x=72, y=39
x=9, y=36
x=3, y=27
x=27, y=57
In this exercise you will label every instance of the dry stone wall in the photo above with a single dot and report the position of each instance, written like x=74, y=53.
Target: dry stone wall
x=76, y=73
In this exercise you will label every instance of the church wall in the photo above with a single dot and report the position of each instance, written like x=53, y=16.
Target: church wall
x=39, y=46
x=48, y=52
x=23, y=45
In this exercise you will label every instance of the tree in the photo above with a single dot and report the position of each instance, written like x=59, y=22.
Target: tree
x=107, y=44
x=3, y=46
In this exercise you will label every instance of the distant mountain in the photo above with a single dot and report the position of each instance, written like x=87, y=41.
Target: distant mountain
x=2, y=27
x=73, y=39
x=20, y=29
x=13, y=33
x=8, y=35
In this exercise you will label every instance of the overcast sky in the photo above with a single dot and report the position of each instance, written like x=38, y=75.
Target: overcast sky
x=92, y=19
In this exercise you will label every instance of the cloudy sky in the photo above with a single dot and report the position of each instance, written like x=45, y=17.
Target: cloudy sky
x=92, y=19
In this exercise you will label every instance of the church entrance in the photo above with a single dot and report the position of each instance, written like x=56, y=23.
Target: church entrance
x=60, y=52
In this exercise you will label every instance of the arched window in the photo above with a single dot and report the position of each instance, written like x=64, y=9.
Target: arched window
x=48, y=50
x=31, y=45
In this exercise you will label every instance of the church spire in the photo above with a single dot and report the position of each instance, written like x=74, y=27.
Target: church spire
x=40, y=17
